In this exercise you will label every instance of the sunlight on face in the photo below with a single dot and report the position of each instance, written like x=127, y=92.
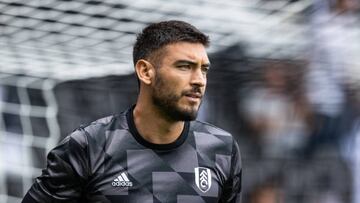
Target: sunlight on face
x=181, y=80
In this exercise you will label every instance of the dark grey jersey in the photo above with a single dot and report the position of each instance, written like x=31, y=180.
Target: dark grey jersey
x=108, y=161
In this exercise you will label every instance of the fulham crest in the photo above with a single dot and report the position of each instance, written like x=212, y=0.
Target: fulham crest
x=203, y=178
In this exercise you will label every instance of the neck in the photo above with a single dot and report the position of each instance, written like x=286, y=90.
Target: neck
x=153, y=126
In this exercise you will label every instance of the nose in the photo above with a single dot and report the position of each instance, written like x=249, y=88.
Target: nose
x=198, y=77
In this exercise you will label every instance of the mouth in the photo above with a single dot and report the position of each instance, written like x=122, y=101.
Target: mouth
x=193, y=96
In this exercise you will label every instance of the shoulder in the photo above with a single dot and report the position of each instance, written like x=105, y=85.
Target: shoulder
x=97, y=130
x=106, y=123
x=204, y=127
x=211, y=135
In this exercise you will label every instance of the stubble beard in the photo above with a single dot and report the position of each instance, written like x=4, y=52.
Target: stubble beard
x=167, y=102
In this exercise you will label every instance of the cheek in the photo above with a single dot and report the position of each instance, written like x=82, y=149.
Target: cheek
x=164, y=86
x=172, y=82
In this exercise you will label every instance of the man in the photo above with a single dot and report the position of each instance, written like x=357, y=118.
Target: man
x=154, y=151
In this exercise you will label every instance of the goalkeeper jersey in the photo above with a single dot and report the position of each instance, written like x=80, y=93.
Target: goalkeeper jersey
x=109, y=161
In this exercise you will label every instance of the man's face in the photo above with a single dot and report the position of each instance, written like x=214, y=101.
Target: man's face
x=180, y=80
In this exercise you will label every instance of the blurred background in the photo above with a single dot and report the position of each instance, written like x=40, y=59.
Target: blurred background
x=285, y=81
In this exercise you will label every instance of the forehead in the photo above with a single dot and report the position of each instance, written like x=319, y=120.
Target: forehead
x=185, y=51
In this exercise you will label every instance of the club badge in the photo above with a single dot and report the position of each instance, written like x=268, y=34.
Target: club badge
x=203, y=178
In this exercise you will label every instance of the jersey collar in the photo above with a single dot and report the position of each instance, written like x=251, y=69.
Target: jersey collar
x=132, y=128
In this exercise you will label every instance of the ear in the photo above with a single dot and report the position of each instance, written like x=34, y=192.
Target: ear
x=145, y=71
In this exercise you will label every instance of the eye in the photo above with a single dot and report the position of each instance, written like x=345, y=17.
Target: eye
x=184, y=66
x=205, y=70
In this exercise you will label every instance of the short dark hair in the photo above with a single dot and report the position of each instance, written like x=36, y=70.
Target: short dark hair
x=158, y=35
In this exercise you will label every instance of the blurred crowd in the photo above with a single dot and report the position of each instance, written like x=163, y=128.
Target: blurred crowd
x=298, y=152
x=301, y=119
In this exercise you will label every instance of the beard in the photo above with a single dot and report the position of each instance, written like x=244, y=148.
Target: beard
x=167, y=102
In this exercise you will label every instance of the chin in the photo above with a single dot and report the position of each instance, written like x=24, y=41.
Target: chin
x=188, y=114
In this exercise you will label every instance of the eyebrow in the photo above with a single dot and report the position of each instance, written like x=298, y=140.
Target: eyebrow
x=192, y=63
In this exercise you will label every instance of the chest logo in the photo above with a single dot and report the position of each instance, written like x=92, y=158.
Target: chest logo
x=122, y=181
x=203, y=178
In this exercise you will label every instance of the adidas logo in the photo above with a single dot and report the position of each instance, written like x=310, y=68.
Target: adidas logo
x=122, y=181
